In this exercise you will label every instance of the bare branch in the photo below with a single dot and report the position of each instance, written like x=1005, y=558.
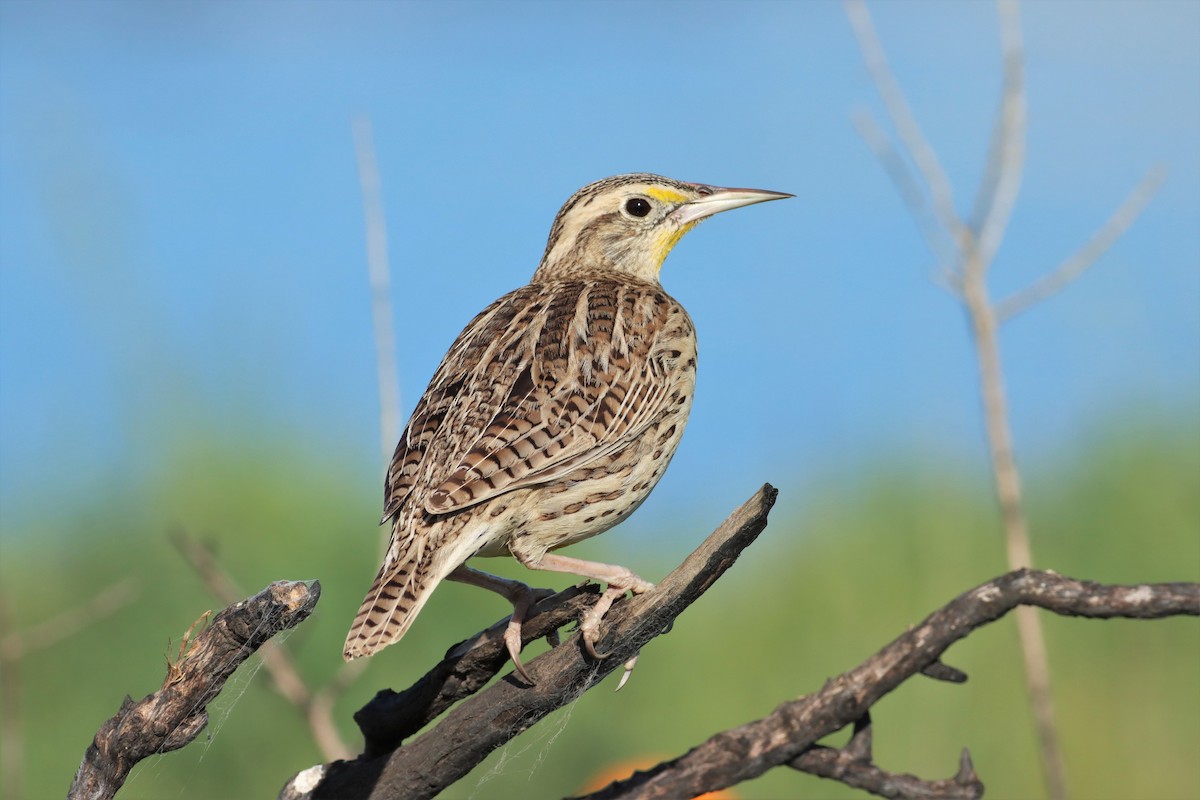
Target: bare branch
x=788, y=733
x=852, y=765
x=1041, y=700
x=508, y=707
x=174, y=715
x=1092, y=250
x=317, y=708
x=278, y=662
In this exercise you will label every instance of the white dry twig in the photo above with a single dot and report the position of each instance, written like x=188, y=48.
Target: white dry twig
x=964, y=268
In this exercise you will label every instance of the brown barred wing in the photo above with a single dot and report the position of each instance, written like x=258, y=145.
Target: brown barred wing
x=450, y=402
x=578, y=380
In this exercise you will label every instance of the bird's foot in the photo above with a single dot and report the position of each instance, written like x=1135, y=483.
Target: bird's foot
x=589, y=626
x=522, y=598
x=522, y=601
x=619, y=579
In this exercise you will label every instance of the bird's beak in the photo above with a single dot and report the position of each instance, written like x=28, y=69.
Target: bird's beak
x=714, y=200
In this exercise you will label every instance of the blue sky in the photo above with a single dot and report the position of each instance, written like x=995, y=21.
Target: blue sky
x=181, y=231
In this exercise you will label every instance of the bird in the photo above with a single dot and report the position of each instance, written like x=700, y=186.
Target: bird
x=552, y=416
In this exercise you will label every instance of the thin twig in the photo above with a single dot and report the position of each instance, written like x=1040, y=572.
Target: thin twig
x=853, y=765
x=1007, y=481
x=1083, y=258
x=966, y=274
x=907, y=129
x=996, y=199
x=1019, y=552
x=380, y=278
x=997, y=194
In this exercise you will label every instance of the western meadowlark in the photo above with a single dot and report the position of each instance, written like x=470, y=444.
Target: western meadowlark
x=553, y=415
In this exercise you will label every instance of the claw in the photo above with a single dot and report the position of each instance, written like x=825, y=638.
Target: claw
x=591, y=649
x=512, y=634
x=589, y=626
x=628, y=666
x=522, y=598
x=619, y=579
x=512, y=641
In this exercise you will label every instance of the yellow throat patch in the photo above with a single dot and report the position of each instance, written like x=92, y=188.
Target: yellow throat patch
x=668, y=240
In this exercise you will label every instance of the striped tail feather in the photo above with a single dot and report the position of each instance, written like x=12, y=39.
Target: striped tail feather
x=395, y=598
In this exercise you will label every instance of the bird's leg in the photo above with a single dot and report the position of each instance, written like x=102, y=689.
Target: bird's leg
x=619, y=580
x=519, y=594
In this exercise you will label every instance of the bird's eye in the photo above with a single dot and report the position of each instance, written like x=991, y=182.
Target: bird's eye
x=637, y=206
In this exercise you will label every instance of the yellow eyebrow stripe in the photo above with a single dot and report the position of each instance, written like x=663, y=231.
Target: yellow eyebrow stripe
x=666, y=195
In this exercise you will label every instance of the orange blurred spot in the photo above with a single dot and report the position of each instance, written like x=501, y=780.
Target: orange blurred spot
x=623, y=769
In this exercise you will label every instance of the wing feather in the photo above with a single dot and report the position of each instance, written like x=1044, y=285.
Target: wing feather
x=546, y=380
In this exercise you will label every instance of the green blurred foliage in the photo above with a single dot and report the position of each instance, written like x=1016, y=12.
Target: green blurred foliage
x=819, y=592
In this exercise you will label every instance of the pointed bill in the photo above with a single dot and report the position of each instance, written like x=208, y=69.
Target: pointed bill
x=718, y=200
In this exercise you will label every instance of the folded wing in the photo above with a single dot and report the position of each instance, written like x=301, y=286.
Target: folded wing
x=546, y=380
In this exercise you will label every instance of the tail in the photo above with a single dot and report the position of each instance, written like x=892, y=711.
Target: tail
x=396, y=597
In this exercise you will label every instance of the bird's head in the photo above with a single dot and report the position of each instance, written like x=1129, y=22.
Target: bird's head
x=629, y=223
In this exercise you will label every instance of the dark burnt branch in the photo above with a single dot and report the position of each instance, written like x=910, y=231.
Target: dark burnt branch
x=176, y=713
x=391, y=717
x=942, y=672
x=479, y=725
x=316, y=706
x=788, y=734
x=852, y=765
